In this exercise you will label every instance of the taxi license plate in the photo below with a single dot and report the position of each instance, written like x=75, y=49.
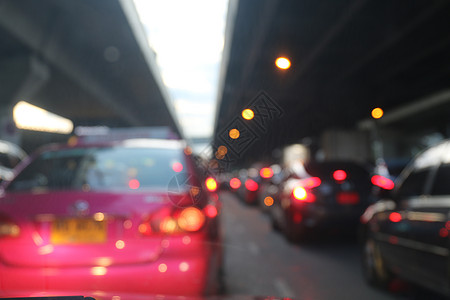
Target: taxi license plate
x=77, y=231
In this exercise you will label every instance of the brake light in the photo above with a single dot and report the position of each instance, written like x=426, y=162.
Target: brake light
x=210, y=211
x=382, y=182
x=191, y=219
x=347, y=198
x=251, y=185
x=169, y=221
x=339, y=175
x=211, y=184
x=235, y=183
x=301, y=194
x=168, y=225
x=310, y=182
x=266, y=173
x=8, y=229
x=395, y=217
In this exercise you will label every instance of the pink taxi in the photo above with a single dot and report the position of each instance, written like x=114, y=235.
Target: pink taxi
x=127, y=217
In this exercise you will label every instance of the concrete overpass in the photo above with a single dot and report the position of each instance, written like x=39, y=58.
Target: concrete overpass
x=347, y=58
x=88, y=61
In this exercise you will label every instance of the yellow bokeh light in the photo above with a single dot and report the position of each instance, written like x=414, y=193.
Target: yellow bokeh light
x=162, y=268
x=120, y=244
x=222, y=150
x=268, y=201
x=283, y=63
x=98, y=271
x=234, y=133
x=30, y=117
x=248, y=114
x=99, y=216
x=377, y=113
x=184, y=266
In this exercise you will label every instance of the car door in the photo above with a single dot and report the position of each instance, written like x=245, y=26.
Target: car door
x=427, y=219
x=395, y=228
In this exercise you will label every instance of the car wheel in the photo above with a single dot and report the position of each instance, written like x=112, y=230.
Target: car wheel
x=373, y=264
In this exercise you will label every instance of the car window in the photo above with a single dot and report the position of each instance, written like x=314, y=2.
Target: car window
x=101, y=168
x=414, y=184
x=441, y=184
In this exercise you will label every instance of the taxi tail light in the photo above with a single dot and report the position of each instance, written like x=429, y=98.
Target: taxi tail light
x=302, y=194
x=382, y=182
x=347, y=198
x=169, y=221
x=8, y=228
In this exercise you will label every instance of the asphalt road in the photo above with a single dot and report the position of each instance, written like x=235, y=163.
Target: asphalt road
x=261, y=262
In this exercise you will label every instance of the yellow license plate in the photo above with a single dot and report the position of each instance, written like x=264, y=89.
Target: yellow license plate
x=77, y=231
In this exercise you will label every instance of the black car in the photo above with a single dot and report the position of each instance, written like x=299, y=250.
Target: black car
x=407, y=234
x=322, y=196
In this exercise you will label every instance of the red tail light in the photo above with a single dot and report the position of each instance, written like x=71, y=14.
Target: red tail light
x=251, y=185
x=382, y=182
x=347, y=198
x=211, y=184
x=210, y=211
x=310, y=182
x=301, y=194
x=191, y=219
x=235, y=183
x=266, y=173
x=170, y=221
x=339, y=175
x=395, y=217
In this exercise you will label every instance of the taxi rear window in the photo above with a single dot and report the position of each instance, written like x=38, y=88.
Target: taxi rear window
x=101, y=169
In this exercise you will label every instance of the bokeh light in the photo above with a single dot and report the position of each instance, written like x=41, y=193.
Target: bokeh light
x=134, y=184
x=248, y=114
x=268, y=201
x=377, y=113
x=234, y=133
x=283, y=63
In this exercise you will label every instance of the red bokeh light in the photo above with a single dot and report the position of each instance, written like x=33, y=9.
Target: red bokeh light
x=134, y=184
x=210, y=211
x=382, y=182
x=395, y=217
x=251, y=185
x=266, y=173
x=235, y=183
x=177, y=167
x=339, y=175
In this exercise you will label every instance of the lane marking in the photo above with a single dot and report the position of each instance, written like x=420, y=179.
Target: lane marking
x=283, y=288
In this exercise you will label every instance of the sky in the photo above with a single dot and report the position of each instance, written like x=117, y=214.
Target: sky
x=188, y=38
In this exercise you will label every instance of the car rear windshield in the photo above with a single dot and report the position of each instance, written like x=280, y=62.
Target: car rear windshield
x=101, y=169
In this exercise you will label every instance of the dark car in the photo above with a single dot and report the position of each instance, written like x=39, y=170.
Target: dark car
x=407, y=234
x=322, y=196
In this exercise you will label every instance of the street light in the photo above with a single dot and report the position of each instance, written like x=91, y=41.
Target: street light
x=283, y=63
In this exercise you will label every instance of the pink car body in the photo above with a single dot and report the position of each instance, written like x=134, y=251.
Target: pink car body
x=133, y=240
